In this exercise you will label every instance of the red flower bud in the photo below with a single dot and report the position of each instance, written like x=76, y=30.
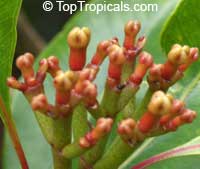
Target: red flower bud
x=131, y=30
x=63, y=83
x=90, y=94
x=53, y=66
x=88, y=73
x=177, y=107
x=168, y=70
x=25, y=64
x=145, y=61
x=117, y=59
x=40, y=103
x=41, y=73
x=188, y=115
x=155, y=72
x=165, y=119
x=101, y=52
x=103, y=126
x=193, y=56
x=126, y=127
x=12, y=82
x=146, y=122
x=78, y=40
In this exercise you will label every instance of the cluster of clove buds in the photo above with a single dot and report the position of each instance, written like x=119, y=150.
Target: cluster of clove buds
x=162, y=76
x=164, y=114
x=76, y=86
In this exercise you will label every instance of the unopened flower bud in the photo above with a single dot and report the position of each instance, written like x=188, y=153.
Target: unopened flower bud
x=126, y=127
x=146, y=123
x=194, y=53
x=89, y=94
x=65, y=81
x=79, y=37
x=188, y=116
x=155, y=72
x=116, y=54
x=25, y=64
x=103, y=126
x=131, y=30
x=12, y=82
x=174, y=124
x=25, y=61
x=193, y=56
x=165, y=119
x=160, y=103
x=90, y=90
x=178, y=55
x=53, y=65
x=117, y=58
x=101, y=52
x=177, y=106
x=41, y=73
x=88, y=73
x=40, y=103
x=78, y=40
x=43, y=66
x=145, y=61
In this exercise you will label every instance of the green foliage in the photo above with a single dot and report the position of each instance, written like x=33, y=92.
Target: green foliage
x=183, y=26
x=191, y=148
x=178, y=163
x=8, y=35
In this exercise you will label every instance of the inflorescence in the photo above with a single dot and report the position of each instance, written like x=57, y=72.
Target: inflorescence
x=163, y=113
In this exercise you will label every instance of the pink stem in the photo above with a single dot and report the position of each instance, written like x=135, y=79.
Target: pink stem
x=164, y=155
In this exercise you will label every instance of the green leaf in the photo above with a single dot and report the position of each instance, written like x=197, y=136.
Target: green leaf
x=189, y=149
x=103, y=26
x=185, y=162
x=183, y=23
x=8, y=35
x=183, y=26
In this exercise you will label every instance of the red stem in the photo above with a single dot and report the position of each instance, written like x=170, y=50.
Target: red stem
x=164, y=155
x=13, y=134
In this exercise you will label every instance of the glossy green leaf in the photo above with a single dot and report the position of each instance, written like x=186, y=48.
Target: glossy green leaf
x=103, y=26
x=189, y=149
x=183, y=26
x=183, y=23
x=185, y=162
x=8, y=35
